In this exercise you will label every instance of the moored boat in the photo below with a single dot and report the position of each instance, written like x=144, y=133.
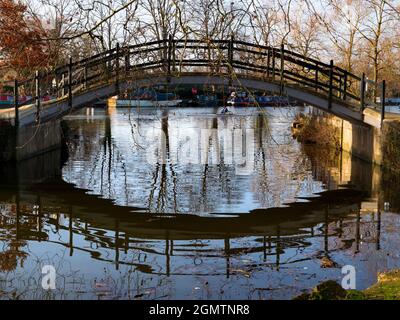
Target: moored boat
x=145, y=100
x=245, y=100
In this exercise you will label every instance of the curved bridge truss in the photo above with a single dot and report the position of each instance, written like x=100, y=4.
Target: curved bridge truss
x=225, y=62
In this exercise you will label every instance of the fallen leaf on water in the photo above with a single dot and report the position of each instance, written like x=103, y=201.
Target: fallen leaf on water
x=327, y=263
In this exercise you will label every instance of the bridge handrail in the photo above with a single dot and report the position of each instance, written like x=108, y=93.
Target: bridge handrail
x=226, y=56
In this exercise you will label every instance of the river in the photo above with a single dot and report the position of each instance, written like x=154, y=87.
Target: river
x=185, y=204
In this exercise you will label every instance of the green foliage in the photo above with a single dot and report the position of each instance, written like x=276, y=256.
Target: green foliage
x=328, y=290
x=387, y=288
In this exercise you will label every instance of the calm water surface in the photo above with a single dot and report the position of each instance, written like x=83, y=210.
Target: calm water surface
x=180, y=203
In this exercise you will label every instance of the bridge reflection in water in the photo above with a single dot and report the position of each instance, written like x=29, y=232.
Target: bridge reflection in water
x=111, y=248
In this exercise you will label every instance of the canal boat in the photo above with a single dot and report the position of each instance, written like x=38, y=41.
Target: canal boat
x=7, y=101
x=244, y=100
x=146, y=99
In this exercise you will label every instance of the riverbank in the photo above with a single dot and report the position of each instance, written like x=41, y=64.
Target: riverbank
x=386, y=288
x=378, y=146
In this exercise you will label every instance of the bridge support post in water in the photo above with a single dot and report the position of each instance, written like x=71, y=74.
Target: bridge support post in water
x=383, y=101
x=37, y=94
x=330, y=84
x=16, y=121
x=70, y=82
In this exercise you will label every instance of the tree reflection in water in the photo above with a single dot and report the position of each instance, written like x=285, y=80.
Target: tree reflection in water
x=264, y=241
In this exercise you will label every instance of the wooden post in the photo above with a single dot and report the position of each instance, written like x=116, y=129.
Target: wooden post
x=278, y=246
x=117, y=68
x=362, y=92
x=273, y=63
x=70, y=83
x=71, y=234
x=63, y=84
x=316, y=77
x=230, y=59
x=169, y=55
x=127, y=62
x=330, y=84
x=173, y=54
x=37, y=96
x=282, y=68
x=345, y=86
x=85, y=76
x=16, y=121
x=57, y=84
x=383, y=101
x=268, y=61
x=230, y=51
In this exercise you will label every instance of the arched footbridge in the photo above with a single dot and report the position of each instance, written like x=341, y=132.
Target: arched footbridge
x=176, y=62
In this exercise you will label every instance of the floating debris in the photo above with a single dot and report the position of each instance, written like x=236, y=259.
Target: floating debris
x=328, y=263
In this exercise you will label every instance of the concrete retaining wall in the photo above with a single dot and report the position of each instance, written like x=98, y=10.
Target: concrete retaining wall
x=29, y=141
x=360, y=140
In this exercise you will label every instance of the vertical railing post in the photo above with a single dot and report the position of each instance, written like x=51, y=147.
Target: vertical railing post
x=106, y=66
x=169, y=55
x=16, y=122
x=273, y=63
x=282, y=68
x=127, y=62
x=85, y=70
x=362, y=93
x=230, y=52
x=70, y=82
x=230, y=59
x=63, y=85
x=383, y=101
x=57, y=85
x=173, y=54
x=345, y=86
x=330, y=84
x=37, y=96
x=268, y=61
x=117, y=68
x=316, y=77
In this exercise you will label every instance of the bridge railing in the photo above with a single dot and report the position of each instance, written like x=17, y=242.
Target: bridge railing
x=172, y=57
